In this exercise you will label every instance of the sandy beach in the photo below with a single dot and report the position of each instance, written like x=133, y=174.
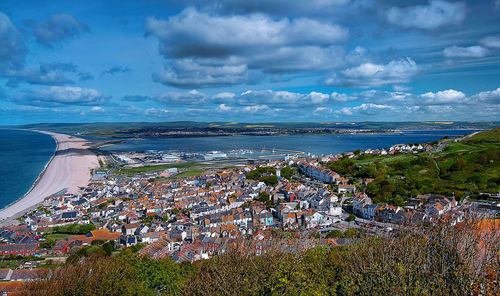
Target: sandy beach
x=68, y=170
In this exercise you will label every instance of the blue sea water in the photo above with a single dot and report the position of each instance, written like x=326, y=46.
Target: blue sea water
x=314, y=144
x=23, y=155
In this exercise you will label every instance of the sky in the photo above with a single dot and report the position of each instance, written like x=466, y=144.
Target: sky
x=249, y=61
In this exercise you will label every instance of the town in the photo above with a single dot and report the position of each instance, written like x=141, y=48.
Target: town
x=191, y=214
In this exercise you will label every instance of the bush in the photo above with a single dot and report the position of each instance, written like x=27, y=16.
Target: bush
x=433, y=260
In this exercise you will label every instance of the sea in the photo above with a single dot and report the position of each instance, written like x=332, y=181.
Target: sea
x=24, y=154
x=321, y=144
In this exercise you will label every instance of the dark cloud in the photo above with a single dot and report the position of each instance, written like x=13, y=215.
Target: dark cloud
x=115, y=70
x=37, y=76
x=57, y=28
x=85, y=76
x=52, y=73
x=12, y=48
x=204, y=49
x=436, y=14
x=200, y=73
x=59, y=96
x=196, y=34
x=192, y=97
x=323, y=8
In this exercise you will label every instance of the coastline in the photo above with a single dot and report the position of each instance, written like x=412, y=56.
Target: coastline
x=67, y=170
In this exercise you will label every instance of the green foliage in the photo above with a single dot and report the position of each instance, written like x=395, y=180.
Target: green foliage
x=264, y=174
x=148, y=220
x=85, y=252
x=259, y=171
x=348, y=233
x=335, y=234
x=462, y=168
x=287, y=172
x=163, y=277
x=108, y=247
x=72, y=229
x=269, y=180
x=136, y=248
x=266, y=199
x=343, y=166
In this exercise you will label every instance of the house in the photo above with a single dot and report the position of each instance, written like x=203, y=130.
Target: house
x=313, y=220
x=266, y=218
x=26, y=274
x=358, y=202
x=61, y=247
x=316, y=172
x=128, y=240
x=335, y=209
x=129, y=229
x=69, y=216
x=5, y=274
x=27, y=249
x=346, y=188
x=387, y=213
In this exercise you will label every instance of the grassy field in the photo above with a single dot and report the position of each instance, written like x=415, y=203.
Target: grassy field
x=160, y=167
x=56, y=236
x=464, y=168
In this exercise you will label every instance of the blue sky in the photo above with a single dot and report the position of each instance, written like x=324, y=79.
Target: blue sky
x=249, y=61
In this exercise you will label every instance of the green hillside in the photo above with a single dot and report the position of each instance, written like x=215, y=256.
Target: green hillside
x=463, y=168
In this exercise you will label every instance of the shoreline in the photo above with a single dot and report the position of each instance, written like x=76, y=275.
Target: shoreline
x=40, y=175
x=67, y=169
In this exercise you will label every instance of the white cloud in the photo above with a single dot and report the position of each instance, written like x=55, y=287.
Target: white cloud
x=491, y=41
x=97, y=109
x=256, y=109
x=224, y=108
x=318, y=98
x=338, y=97
x=322, y=111
x=156, y=111
x=436, y=14
x=224, y=96
x=283, y=97
x=449, y=96
x=465, y=52
x=366, y=109
x=492, y=97
x=385, y=96
x=370, y=74
x=192, y=97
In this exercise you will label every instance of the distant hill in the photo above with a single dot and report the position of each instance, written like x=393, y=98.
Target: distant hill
x=138, y=129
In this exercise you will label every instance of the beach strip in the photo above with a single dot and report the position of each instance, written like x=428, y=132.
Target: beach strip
x=69, y=169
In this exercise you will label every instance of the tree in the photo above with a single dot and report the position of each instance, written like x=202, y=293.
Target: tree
x=351, y=218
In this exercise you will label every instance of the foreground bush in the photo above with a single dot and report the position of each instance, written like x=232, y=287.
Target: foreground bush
x=438, y=260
